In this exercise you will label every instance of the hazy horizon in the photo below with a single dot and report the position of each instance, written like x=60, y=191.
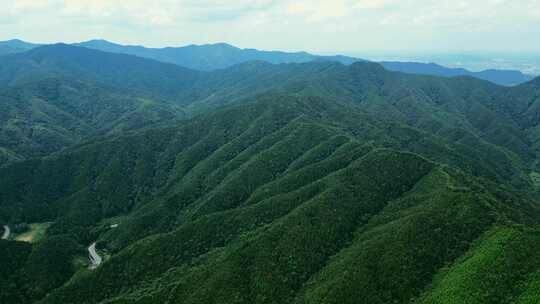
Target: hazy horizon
x=340, y=26
x=527, y=62
x=369, y=52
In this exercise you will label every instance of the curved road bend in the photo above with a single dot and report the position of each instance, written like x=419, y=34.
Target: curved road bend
x=95, y=258
x=7, y=232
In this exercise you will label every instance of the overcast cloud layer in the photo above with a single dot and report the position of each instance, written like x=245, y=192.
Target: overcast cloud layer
x=319, y=25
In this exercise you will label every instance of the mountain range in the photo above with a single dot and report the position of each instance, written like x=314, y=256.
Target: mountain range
x=310, y=182
x=221, y=55
x=15, y=46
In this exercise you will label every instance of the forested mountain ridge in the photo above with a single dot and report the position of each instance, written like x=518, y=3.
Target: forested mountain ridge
x=470, y=103
x=201, y=57
x=46, y=116
x=311, y=182
x=221, y=55
x=123, y=71
x=55, y=96
x=502, y=77
x=264, y=178
x=162, y=86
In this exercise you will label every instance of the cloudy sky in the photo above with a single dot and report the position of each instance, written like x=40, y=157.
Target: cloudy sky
x=323, y=26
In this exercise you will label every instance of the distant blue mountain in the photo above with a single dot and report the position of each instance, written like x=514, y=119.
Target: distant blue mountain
x=15, y=46
x=201, y=57
x=221, y=55
x=503, y=77
x=536, y=81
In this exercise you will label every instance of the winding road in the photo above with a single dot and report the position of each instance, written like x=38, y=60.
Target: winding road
x=7, y=232
x=95, y=258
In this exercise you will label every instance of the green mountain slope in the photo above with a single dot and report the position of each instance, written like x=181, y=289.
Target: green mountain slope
x=55, y=96
x=282, y=200
x=153, y=89
x=292, y=183
x=45, y=116
x=502, y=266
x=121, y=71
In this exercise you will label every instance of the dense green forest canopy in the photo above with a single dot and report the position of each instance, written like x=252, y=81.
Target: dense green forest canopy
x=308, y=182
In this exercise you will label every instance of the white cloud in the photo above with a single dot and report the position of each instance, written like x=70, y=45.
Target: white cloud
x=316, y=25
